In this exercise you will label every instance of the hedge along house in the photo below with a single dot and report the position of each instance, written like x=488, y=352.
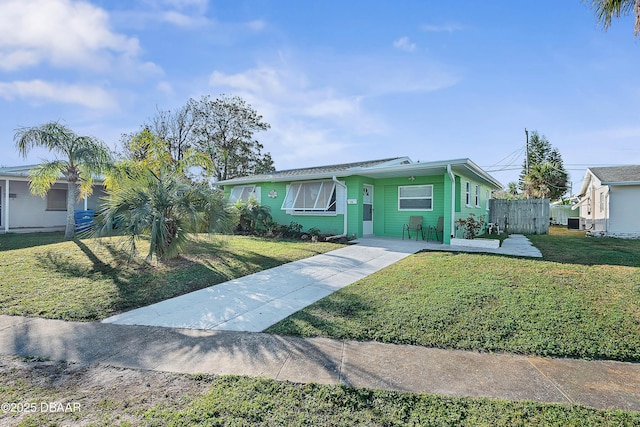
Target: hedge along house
x=371, y=198
x=22, y=211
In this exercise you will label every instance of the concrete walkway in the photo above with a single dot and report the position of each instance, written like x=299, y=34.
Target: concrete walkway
x=600, y=384
x=253, y=303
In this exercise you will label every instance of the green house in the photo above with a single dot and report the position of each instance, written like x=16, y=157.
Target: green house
x=371, y=198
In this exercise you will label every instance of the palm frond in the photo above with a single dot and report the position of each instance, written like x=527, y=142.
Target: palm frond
x=43, y=176
x=54, y=136
x=606, y=10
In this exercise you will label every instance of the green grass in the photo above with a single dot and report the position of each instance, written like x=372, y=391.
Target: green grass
x=573, y=247
x=90, y=279
x=245, y=401
x=580, y=301
x=262, y=402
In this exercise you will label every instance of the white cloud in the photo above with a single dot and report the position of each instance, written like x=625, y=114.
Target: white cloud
x=320, y=111
x=165, y=87
x=40, y=91
x=257, y=25
x=442, y=28
x=187, y=14
x=307, y=122
x=64, y=33
x=404, y=44
x=184, y=4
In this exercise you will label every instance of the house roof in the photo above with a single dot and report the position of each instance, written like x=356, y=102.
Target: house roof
x=629, y=174
x=382, y=168
x=292, y=174
x=22, y=173
x=17, y=170
x=612, y=175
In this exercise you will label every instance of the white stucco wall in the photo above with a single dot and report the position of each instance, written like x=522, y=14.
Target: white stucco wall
x=624, y=203
x=27, y=210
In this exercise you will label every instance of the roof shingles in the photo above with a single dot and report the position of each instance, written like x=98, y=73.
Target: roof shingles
x=315, y=170
x=617, y=174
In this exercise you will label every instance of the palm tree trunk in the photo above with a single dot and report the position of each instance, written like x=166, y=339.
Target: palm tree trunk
x=71, y=204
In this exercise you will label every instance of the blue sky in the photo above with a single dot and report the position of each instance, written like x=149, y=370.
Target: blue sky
x=338, y=81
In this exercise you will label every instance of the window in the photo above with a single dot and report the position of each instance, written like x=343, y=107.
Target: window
x=602, y=202
x=467, y=199
x=57, y=199
x=314, y=196
x=242, y=193
x=415, y=198
x=477, y=196
x=486, y=200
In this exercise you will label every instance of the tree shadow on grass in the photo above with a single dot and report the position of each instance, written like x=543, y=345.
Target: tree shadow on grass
x=14, y=241
x=319, y=318
x=138, y=283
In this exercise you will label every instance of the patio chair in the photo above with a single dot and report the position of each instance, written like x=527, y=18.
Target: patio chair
x=437, y=229
x=415, y=224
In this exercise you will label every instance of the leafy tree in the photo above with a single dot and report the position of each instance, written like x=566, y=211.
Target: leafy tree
x=80, y=158
x=543, y=174
x=606, y=10
x=151, y=196
x=224, y=130
x=174, y=128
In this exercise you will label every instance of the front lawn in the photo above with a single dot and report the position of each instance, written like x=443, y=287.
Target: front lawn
x=90, y=279
x=580, y=301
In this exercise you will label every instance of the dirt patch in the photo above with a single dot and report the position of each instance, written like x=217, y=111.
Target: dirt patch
x=41, y=392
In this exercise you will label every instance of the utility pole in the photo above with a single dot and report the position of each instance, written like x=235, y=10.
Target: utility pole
x=526, y=159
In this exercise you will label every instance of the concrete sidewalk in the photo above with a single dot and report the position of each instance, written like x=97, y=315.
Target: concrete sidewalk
x=253, y=303
x=600, y=384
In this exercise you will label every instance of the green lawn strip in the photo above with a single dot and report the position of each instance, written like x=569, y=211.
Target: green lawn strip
x=91, y=279
x=574, y=247
x=262, y=402
x=246, y=401
x=488, y=303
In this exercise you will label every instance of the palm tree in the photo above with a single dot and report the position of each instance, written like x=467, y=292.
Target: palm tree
x=151, y=196
x=80, y=158
x=164, y=207
x=606, y=10
x=545, y=180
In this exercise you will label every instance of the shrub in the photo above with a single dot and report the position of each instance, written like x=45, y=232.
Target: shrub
x=314, y=231
x=470, y=226
x=292, y=231
x=252, y=216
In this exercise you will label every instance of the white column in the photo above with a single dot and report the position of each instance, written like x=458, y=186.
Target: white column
x=6, y=205
x=85, y=203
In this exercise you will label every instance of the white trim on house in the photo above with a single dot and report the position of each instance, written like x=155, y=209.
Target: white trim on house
x=397, y=168
x=467, y=194
x=311, y=197
x=244, y=193
x=414, y=197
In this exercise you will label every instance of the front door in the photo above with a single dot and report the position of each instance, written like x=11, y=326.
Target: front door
x=367, y=210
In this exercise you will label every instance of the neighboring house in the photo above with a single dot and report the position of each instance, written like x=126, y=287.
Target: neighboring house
x=609, y=201
x=373, y=197
x=20, y=210
x=560, y=213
